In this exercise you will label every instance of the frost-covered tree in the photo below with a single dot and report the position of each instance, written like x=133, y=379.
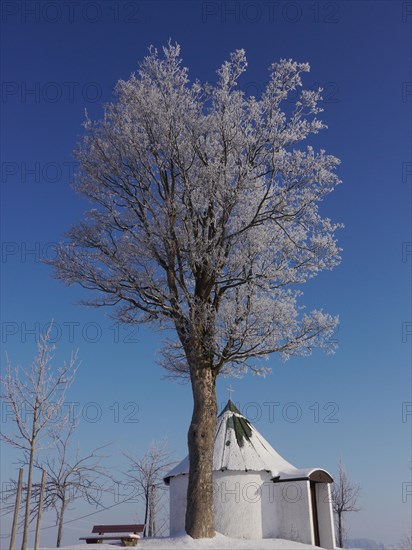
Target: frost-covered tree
x=206, y=221
x=71, y=475
x=406, y=542
x=146, y=474
x=35, y=396
x=345, y=496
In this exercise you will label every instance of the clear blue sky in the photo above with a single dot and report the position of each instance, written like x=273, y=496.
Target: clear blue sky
x=59, y=59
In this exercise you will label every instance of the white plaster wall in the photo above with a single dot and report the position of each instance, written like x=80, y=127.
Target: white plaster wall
x=178, y=495
x=248, y=505
x=325, y=515
x=238, y=500
x=294, y=511
x=238, y=503
x=270, y=509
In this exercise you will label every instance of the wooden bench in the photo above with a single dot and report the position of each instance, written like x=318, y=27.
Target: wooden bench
x=127, y=534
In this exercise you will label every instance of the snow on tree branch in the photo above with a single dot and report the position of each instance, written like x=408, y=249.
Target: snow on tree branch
x=206, y=214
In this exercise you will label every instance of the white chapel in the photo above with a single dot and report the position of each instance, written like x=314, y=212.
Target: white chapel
x=257, y=493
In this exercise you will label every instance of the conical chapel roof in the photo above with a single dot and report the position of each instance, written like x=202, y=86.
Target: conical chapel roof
x=240, y=447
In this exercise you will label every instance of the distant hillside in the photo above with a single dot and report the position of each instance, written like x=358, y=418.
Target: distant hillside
x=364, y=544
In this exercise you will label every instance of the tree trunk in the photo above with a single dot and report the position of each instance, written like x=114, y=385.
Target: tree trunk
x=61, y=521
x=28, y=498
x=340, y=530
x=201, y=436
x=16, y=510
x=152, y=512
x=146, y=512
x=40, y=511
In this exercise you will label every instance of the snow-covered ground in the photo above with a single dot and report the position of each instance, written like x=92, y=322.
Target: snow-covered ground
x=185, y=542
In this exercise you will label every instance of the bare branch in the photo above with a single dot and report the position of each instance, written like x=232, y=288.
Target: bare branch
x=146, y=473
x=36, y=396
x=345, y=495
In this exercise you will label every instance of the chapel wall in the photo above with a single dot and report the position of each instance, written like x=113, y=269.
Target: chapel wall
x=325, y=515
x=177, y=503
x=294, y=511
x=238, y=503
